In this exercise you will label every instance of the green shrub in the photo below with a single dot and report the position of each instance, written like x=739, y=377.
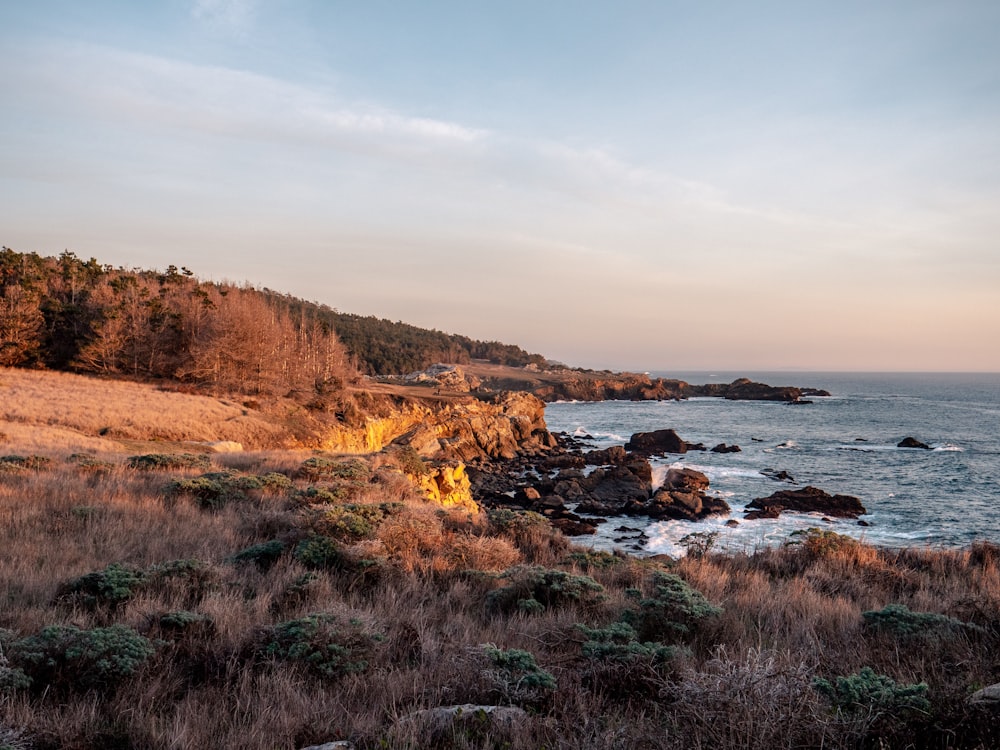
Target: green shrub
x=594, y=559
x=23, y=463
x=672, y=613
x=868, y=692
x=517, y=675
x=323, y=467
x=354, y=521
x=619, y=642
x=319, y=553
x=323, y=643
x=539, y=588
x=110, y=587
x=303, y=589
x=13, y=679
x=89, y=462
x=64, y=657
x=184, y=622
x=898, y=620
x=215, y=490
x=164, y=461
x=263, y=555
x=275, y=482
x=515, y=522
x=821, y=542
x=410, y=462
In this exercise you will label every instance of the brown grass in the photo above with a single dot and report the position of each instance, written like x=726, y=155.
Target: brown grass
x=420, y=582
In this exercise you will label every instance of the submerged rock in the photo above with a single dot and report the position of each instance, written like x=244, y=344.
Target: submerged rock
x=912, y=442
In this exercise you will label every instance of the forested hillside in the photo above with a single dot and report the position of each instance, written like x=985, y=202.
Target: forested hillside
x=65, y=313
x=68, y=314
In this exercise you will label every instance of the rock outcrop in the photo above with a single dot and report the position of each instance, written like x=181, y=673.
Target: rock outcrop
x=445, y=378
x=656, y=443
x=806, y=500
x=447, y=485
x=500, y=427
x=912, y=442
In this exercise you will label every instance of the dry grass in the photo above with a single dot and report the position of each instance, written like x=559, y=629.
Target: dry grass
x=418, y=582
x=66, y=411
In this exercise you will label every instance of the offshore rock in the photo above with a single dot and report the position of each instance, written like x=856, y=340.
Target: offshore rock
x=808, y=500
x=656, y=442
x=685, y=479
x=616, y=454
x=912, y=442
x=723, y=448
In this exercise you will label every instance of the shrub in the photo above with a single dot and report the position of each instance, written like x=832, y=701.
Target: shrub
x=89, y=462
x=517, y=675
x=303, y=589
x=698, y=543
x=410, y=462
x=13, y=679
x=275, y=482
x=323, y=467
x=672, y=612
x=323, y=643
x=594, y=559
x=898, y=620
x=183, y=622
x=23, y=463
x=263, y=555
x=319, y=553
x=822, y=542
x=534, y=588
x=354, y=521
x=190, y=578
x=163, y=461
x=65, y=657
x=110, y=587
x=215, y=489
x=619, y=642
x=870, y=693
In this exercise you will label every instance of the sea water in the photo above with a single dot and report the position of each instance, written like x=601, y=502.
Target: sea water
x=947, y=496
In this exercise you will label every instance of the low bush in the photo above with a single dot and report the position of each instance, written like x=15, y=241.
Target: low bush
x=167, y=461
x=63, y=657
x=215, y=490
x=325, y=644
x=899, y=621
x=870, y=693
x=516, y=675
x=110, y=588
x=354, y=521
x=263, y=555
x=23, y=463
x=619, y=642
x=532, y=589
x=672, y=613
x=323, y=467
x=319, y=553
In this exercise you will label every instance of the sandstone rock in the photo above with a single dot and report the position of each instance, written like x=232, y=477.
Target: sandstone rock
x=685, y=479
x=529, y=493
x=569, y=527
x=656, y=442
x=809, y=500
x=911, y=442
x=448, y=486
x=445, y=377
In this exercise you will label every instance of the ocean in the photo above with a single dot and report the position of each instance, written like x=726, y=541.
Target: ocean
x=945, y=497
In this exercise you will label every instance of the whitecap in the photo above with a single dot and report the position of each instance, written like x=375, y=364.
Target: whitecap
x=948, y=448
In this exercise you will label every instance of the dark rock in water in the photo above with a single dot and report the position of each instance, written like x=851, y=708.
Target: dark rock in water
x=757, y=440
x=620, y=483
x=778, y=476
x=569, y=527
x=658, y=441
x=811, y=500
x=755, y=515
x=860, y=440
x=723, y=448
x=695, y=446
x=685, y=505
x=863, y=523
x=732, y=523
x=614, y=455
x=911, y=442
x=799, y=402
x=566, y=460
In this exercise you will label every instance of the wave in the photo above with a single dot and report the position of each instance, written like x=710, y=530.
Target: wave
x=869, y=448
x=582, y=431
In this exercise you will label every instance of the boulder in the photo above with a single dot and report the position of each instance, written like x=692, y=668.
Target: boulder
x=616, y=454
x=808, y=500
x=570, y=527
x=911, y=442
x=656, y=442
x=723, y=448
x=685, y=479
x=619, y=484
x=442, y=717
x=987, y=698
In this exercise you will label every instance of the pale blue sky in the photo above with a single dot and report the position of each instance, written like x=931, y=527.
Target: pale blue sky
x=653, y=185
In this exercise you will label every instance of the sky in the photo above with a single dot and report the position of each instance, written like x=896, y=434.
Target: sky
x=671, y=185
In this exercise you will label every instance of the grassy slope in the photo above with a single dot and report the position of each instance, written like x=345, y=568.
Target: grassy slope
x=420, y=580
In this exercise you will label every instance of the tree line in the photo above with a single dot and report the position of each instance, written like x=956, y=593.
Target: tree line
x=65, y=313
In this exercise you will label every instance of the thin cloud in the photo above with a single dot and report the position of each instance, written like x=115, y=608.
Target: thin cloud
x=233, y=16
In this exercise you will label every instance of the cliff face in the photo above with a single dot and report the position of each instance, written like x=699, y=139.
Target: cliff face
x=463, y=429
